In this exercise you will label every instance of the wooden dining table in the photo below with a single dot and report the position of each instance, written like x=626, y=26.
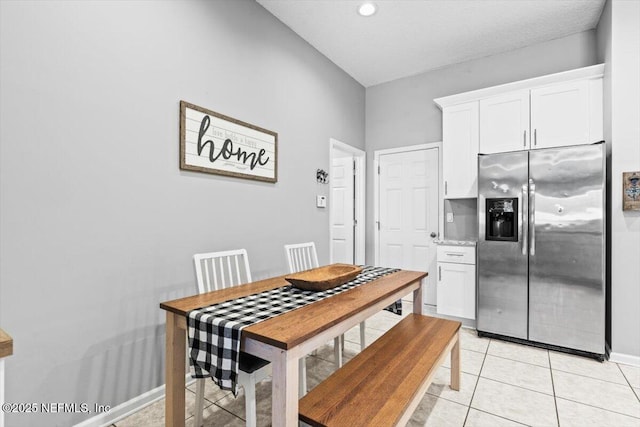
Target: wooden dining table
x=283, y=339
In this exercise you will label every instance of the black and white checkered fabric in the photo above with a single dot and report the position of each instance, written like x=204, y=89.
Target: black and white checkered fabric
x=214, y=331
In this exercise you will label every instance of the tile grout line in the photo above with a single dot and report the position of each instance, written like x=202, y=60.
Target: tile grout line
x=553, y=389
x=513, y=385
x=516, y=386
x=499, y=416
x=597, y=407
x=520, y=361
x=563, y=370
x=583, y=403
x=628, y=382
x=229, y=412
x=213, y=404
x=476, y=385
x=593, y=378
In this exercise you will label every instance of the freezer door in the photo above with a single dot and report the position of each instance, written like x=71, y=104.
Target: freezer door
x=502, y=263
x=567, y=247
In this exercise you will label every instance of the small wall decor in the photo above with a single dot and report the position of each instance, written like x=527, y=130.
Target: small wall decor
x=214, y=143
x=631, y=191
x=322, y=176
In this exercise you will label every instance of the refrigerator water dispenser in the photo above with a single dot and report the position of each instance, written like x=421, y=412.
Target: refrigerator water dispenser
x=502, y=219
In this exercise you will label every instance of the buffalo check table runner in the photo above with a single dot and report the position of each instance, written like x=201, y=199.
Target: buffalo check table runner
x=214, y=331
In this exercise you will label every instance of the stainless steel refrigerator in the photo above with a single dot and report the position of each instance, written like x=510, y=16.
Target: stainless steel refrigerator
x=541, y=247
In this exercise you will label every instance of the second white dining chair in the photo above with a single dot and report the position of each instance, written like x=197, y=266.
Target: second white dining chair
x=220, y=270
x=303, y=256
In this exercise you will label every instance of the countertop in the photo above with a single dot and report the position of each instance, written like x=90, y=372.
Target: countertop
x=456, y=242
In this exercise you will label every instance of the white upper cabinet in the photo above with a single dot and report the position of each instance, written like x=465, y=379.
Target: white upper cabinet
x=460, y=150
x=560, y=114
x=504, y=122
x=567, y=114
x=549, y=111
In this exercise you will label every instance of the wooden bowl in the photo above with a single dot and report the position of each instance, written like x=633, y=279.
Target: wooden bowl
x=323, y=278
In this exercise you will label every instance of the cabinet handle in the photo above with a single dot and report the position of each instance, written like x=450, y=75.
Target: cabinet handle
x=524, y=138
x=445, y=188
x=535, y=137
x=439, y=273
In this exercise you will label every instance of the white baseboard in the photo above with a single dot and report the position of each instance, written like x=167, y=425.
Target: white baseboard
x=127, y=408
x=625, y=359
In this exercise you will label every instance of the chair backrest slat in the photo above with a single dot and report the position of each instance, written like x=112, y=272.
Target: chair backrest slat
x=237, y=267
x=301, y=256
x=216, y=270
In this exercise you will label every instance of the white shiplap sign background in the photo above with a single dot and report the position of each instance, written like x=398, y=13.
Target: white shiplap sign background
x=213, y=143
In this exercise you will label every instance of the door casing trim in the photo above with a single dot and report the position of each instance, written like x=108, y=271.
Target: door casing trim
x=360, y=190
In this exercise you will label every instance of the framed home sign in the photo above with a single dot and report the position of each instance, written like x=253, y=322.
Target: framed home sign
x=631, y=191
x=214, y=143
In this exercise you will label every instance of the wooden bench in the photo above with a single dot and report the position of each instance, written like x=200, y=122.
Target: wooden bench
x=383, y=385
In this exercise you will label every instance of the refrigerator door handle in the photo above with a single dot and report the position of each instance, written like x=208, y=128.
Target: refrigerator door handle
x=532, y=217
x=525, y=215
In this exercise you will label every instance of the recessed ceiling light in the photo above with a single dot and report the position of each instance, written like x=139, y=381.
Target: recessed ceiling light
x=367, y=9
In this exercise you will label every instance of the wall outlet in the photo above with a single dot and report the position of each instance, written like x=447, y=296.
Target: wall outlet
x=321, y=201
x=449, y=216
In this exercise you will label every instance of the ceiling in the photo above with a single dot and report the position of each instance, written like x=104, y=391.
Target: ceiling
x=408, y=37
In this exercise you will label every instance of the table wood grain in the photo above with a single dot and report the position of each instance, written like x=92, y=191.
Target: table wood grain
x=282, y=339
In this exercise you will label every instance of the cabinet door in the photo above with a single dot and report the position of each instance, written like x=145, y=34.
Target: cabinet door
x=460, y=150
x=560, y=115
x=457, y=290
x=504, y=122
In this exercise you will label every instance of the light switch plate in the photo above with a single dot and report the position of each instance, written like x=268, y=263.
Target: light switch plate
x=321, y=201
x=449, y=216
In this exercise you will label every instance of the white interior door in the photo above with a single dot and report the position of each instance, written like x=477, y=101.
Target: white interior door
x=408, y=213
x=342, y=210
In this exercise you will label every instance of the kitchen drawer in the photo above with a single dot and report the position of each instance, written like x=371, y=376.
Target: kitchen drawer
x=457, y=254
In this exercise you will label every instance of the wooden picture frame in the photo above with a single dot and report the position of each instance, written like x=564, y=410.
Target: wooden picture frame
x=631, y=191
x=213, y=143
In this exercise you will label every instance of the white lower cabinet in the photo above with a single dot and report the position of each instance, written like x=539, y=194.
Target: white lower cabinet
x=456, y=281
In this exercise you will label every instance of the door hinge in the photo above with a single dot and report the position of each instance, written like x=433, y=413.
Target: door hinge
x=378, y=169
x=378, y=222
x=354, y=168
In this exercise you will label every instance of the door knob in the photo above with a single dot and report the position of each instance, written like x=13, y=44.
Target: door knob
x=433, y=234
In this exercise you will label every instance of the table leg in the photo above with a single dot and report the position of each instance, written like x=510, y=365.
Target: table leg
x=455, y=364
x=417, y=299
x=174, y=372
x=285, y=390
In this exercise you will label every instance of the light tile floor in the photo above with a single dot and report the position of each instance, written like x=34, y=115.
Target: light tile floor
x=503, y=384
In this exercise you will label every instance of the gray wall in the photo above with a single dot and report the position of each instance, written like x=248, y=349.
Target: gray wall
x=98, y=223
x=465, y=219
x=402, y=112
x=619, y=45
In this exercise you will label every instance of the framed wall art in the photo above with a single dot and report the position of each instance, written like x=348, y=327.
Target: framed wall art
x=213, y=143
x=631, y=191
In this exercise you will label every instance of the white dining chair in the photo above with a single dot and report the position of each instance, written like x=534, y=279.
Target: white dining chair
x=220, y=270
x=303, y=256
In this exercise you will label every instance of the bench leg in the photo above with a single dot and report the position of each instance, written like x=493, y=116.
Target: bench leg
x=455, y=363
x=337, y=351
